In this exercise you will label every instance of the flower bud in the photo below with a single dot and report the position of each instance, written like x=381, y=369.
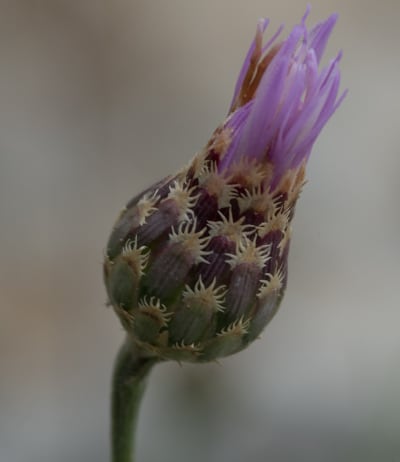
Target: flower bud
x=196, y=265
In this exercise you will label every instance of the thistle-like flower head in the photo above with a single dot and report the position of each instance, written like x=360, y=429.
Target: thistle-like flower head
x=196, y=265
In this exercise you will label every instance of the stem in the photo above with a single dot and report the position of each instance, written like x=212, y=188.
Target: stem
x=129, y=381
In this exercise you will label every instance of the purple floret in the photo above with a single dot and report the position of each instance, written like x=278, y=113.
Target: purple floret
x=282, y=100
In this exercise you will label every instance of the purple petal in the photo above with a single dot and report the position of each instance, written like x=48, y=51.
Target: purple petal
x=261, y=27
x=292, y=102
x=319, y=35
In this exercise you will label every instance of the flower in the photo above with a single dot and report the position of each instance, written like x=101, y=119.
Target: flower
x=196, y=265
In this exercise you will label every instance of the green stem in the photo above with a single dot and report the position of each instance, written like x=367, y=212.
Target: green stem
x=128, y=385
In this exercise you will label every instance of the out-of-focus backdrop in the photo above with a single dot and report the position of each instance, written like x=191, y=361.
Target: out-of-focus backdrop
x=97, y=100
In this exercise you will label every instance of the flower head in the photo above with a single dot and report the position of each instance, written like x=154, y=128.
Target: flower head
x=196, y=265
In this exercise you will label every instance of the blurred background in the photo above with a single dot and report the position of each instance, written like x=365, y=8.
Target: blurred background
x=98, y=99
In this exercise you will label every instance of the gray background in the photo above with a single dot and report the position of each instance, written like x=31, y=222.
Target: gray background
x=97, y=100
